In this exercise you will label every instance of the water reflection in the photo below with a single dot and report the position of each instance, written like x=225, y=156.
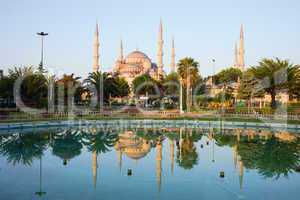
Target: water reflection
x=271, y=154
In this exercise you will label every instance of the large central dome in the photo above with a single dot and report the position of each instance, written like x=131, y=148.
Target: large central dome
x=137, y=57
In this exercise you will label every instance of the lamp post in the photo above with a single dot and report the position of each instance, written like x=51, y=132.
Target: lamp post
x=40, y=193
x=214, y=70
x=181, y=96
x=42, y=34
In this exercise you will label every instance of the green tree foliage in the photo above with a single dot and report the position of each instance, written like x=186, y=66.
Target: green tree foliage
x=69, y=85
x=249, y=87
x=22, y=148
x=145, y=84
x=171, y=85
x=227, y=76
x=276, y=74
x=112, y=86
x=7, y=87
x=189, y=67
x=67, y=145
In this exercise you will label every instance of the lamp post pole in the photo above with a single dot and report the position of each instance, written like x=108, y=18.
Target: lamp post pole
x=42, y=34
x=181, y=96
x=214, y=70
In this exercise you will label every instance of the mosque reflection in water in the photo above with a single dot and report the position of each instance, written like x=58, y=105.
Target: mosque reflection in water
x=273, y=154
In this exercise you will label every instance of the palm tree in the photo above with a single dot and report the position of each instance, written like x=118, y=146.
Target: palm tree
x=189, y=75
x=17, y=72
x=188, y=68
x=280, y=74
x=144, y=84
x=107, y=85
x=69, y=83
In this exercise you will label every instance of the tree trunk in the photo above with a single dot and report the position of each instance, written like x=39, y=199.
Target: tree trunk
x=273, y=99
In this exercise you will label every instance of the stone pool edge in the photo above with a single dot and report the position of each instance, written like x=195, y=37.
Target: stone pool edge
x=142, y=122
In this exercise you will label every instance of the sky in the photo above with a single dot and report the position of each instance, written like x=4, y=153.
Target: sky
x=203, y=30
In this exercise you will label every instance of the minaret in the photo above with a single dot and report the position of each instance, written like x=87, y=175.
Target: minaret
x=173, y=65
x=160, y=51
x=121, y=52
x=241, y=51
x=96, y=66
x=236, y=56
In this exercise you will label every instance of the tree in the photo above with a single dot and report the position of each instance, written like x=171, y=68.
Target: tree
x=112, y=86
x=122, y=87
x=188, y=67
x=189, y=74
x=274, y=75
x=171, y=84
x=69, y=83
x=227, y=76
x=17, y=72
x=145, y=84
x=7, y=90
x=34, y=90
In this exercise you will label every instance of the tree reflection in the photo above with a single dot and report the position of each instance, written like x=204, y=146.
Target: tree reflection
x=67, y=145
x=272, y=158
x=100, y=141
x=187, y=156
x=23, y=148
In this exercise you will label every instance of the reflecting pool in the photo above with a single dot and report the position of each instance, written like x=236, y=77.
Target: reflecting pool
x=149, y=163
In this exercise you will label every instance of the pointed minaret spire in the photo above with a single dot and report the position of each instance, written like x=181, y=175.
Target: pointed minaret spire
x=241, y=59
x=160, y=51
x=173, y=65
x=121, y=51
x=96, y=66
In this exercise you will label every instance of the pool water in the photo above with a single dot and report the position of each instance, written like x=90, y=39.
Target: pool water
x=149, y=163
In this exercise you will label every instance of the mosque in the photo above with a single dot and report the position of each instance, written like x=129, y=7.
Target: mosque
x=136, y=63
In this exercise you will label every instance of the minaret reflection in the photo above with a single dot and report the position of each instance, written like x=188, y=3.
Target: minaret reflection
x=172, y=155
x=180, y=144
x=235, y=155
x=241, y=173
x=120, y=154
x=94, y=168
x=158, y=163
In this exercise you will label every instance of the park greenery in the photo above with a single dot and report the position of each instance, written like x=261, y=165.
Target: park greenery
x=236, y=88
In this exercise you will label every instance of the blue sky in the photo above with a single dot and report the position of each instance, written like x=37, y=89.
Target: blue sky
x=202, y=29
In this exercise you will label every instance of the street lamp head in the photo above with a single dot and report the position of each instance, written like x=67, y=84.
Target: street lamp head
x=42, y=33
